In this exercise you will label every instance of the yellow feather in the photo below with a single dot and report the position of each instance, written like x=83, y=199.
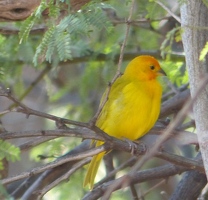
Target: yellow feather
x=93, y=167
x=132, y=108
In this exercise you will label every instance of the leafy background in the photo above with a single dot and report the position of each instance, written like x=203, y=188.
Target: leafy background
x=77, y=54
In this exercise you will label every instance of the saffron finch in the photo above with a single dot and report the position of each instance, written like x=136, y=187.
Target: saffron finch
x=132, y=107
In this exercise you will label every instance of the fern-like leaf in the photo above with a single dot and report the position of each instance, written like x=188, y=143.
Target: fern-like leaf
x=96, y=17
x=58, y=38
x=63, y=41
x=9, y=151
x=42, y=47
x=38, y=12
x=26, y=28
x=30, y=21
x=54, y=9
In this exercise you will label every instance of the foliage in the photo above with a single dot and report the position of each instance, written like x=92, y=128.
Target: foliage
x=177, y=73
x=204, y=52
x=58, y=37
x=4, y=194
x=166, y=46
x=8, y=151
x=205, y=2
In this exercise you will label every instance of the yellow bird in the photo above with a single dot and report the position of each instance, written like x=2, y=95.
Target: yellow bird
x=132, y=108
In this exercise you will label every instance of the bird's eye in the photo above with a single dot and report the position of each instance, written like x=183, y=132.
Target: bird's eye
x=152, y=67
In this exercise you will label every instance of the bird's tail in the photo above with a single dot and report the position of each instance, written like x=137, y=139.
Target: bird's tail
x=93, y=168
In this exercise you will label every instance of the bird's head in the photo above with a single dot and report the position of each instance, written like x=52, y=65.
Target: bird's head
x=144, y=68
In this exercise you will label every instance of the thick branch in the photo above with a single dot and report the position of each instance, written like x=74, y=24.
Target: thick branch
x=138, y=177
x=194, y=14
x=190, y=185
x=12, y=10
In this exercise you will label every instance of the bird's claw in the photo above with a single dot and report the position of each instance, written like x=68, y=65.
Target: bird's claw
x=132, y=145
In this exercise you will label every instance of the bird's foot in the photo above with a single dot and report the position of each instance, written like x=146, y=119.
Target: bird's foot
x=133, y=145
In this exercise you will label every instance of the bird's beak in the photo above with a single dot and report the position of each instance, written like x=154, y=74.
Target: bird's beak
x=161, y=73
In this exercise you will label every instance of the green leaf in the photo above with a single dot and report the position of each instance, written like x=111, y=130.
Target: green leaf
x=63, y=42
x=203, y=52
x=43, y=5
x=205, y=2
x=4, y=194
x=26, y=28
x=166, y=46
x=47, y=42
x=9, y=151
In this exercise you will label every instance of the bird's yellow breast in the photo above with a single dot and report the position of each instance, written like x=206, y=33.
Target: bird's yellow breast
x=134, y=110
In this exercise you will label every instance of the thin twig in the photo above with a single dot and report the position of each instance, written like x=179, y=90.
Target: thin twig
x=70, y=132
x=154, y=187
x=128, y=163
x=171, y=93
x=63, y=177
x=138, y=21
x=190, y=124
x=5, y=112
x=35, y=82
x=169, y=11
x=19, y=187
x=124, y=43
x=134, y=192
x=118, y=72
x=55, y=163
x=28, y=111
x=35, y=142
x=29, y=89
x=11, y=30
x=35, y=185
x=180, y=160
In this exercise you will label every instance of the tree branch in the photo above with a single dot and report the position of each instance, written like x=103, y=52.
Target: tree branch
x=190, y=185
x=136, y=177
x=60, y=179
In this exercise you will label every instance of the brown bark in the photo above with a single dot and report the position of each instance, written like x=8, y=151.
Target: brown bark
x=77, y=4
x=12, y=10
